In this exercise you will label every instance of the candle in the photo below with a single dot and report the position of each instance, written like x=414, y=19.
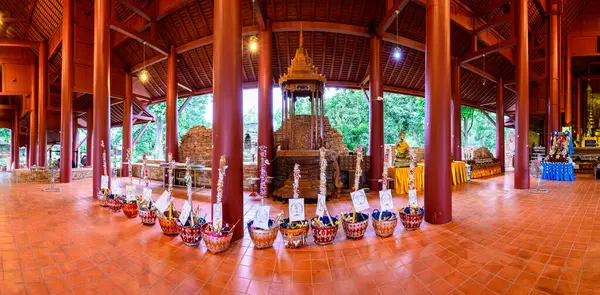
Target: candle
x=296, y=179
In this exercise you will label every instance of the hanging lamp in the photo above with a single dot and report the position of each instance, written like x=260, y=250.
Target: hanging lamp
x=397, y=52
x=144, y=75
x=253, y=40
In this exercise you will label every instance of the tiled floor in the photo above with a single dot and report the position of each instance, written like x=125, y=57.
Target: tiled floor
x=500, y=241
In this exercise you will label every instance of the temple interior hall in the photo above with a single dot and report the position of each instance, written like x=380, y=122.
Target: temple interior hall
x=299, y=147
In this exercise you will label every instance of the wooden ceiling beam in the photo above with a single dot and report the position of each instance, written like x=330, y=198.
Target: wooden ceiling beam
x=464, y=17
x=141, y=11
x=488, y=50
x=137, y=36
x=261, y=18
x=6, y=42
x=541, y=6
x=187, y=88
x=29, y=16
x=139, y=24
x=55, y=41
x=12, y=20
x=390, y=16
x=493, y=24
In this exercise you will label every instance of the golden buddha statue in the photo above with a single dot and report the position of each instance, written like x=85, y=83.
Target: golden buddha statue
x=401, y=152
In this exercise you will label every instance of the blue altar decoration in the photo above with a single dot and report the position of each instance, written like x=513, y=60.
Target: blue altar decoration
x=561, y=171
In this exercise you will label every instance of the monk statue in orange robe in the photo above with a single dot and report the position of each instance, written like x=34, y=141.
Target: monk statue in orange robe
x=401, y=152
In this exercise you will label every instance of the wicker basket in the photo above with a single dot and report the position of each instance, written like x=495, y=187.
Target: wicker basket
x=294, y=238
x=114, y=203
x=190, y=236
x=384, y=228
x=324, y=235
x=216, y=243
x=356, y=230
x=169, y=226
x=148, y=217
x=411, y=221
x=130, y=210
x=263, y=238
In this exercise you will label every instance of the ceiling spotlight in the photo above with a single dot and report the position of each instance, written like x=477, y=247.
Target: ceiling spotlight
x=144, y=76
x=397, y=53
x=253, y=44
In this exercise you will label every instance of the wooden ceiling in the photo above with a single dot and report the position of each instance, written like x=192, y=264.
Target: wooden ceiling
x=343, y=57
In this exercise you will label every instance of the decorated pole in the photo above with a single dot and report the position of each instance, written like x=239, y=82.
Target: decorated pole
x=358, y=169
x=104, y=169
x=144, y=171
x=323, y=181
x=296, y=180
x=188, y=180
x=264, y=161
x=129, y=166
x=412, y=195
x=386, y=166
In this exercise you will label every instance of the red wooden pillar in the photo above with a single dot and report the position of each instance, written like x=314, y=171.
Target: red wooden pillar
x=227, y=109
x=75, y=142
x=33, y=118
x=500, y=123
x=438, y=194
x=172, y=138
x=42, y=102
x=578, y=110
x=553, y=83
x=127, y=122
x=522, y=99
x=15, y=140
x=66, y=102
x=101, y=89
x=455, y=112
x=569, y=92
x=90, y=138
x=265, y=94
x=375, y=115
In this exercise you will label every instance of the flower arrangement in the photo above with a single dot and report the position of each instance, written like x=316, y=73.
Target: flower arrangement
x=167, y=219
x=217, y=235
x=103, y=192
x=190, y=229
x=412, y=215
x=264, y=237
x=324, y=227
x=355, y=223
x=294, y=232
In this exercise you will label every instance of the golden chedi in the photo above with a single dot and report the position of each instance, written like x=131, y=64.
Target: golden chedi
x=401, y=152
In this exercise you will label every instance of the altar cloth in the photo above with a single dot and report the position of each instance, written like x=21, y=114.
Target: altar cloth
x=558, y=171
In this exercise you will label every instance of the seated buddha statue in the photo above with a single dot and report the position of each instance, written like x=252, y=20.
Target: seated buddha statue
x=401, y=153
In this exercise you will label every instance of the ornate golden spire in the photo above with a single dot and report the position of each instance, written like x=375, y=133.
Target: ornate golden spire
x=301, y=37
x=302, y=67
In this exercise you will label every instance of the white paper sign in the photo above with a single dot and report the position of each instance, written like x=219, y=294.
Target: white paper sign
x=412, y=198
x=147, y=194
x=217, y=214
x=162, y=204
x=359, y=200
x=115, y=188
x=296, y=209
x=185, y=212
x=130, y=192
x=385, y=200
x=104, y=182
x=321, y=205
x=261, y=219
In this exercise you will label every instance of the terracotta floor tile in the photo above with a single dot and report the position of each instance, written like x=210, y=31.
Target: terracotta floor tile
x=36, y=288
x=543, y=251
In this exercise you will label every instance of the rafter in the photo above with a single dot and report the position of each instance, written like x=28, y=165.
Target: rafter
x=29, y=16
x=493, y=24
x=390, y=16
x=185, y=103
x=258, y=13
x=140, y=134
x=488, y=50
x=141, y=11
x=137, y=36
x=6, y=42
x=491, y=6
x=139, y=24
